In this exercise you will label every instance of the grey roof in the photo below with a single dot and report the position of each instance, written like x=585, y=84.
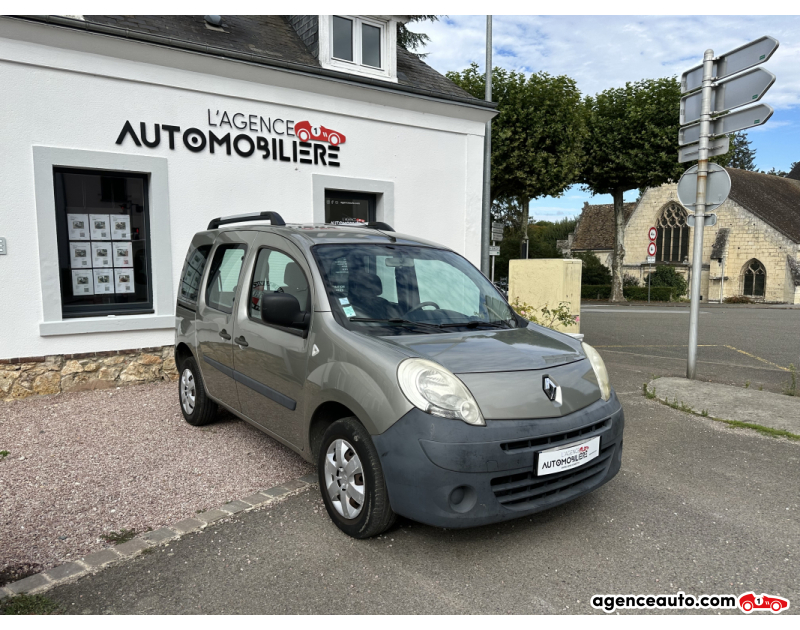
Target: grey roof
x=595, y=229
x=775, y=200
x=272, y=40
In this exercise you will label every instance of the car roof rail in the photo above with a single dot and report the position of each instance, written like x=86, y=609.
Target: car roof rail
x=273, y=217
x=380, y=225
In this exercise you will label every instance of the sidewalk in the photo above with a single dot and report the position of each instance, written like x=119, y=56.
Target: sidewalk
x=726, y=402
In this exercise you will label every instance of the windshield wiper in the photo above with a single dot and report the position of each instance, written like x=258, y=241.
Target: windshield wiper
x=394, y=320
x=474, y=324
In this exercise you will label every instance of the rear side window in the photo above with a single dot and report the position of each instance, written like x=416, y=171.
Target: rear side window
x=277, y=273
x=192, y=272
x=223, y=276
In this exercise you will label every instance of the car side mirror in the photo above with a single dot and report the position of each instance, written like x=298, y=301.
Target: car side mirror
x=283, y=309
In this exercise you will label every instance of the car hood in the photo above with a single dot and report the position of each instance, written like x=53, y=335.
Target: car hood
x=502, y=350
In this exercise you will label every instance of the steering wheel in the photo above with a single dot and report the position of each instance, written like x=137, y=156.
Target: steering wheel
x=420, y=305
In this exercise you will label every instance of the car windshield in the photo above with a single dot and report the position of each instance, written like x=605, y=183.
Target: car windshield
x=404, y=289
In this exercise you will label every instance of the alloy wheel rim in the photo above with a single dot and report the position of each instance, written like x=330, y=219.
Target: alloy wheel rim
x=344, y=479
x=188, y=391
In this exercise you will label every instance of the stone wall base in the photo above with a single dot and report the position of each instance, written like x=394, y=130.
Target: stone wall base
x=38, y=376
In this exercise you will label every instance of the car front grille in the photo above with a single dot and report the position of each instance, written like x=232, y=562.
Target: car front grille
x=556, y=439
x=518, y=491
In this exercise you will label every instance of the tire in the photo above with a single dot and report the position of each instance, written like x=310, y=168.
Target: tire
x=303, y=135
x=372, y=514
x=333, y=139
x=204, y=410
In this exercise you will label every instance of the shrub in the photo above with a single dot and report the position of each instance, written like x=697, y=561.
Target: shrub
x=596, y=291
x=603, y=292
x=666, y=276
x=593, y=272
x=546, y=316
x=738, y=299
x=630, y=281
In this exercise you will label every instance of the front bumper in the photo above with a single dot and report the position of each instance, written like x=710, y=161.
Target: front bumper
x=447, y=473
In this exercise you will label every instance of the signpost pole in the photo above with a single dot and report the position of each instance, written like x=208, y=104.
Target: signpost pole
x=493, y=257
x=487, y=157
x=649, y=275
x=700, y=211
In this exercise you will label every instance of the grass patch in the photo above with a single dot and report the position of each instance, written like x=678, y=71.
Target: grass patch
x=791, y=388
x=29, y=605
x=680, y=406
x=3, y=455
x=122, y=536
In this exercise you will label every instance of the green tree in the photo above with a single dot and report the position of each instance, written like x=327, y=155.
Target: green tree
x=593, y=271
x=632, y=143
x=740, y=155
x=774, y=171
x=666, y=276
x=411, y=40
x=543, y=236
x=537, y=136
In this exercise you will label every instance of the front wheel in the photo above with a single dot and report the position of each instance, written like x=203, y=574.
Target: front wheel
x=197, y=408
x=351, y=480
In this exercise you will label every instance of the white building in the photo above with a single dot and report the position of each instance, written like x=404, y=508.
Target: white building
x=123, y=136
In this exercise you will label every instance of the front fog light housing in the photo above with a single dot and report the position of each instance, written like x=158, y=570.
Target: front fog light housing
x=600, y=371
x=437, y=391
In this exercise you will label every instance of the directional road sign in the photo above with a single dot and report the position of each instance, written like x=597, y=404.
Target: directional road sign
x=730, y=93
x=716, y=146
x=708, y=220
x=494, y=250
x=752, y=54
x=718, y=187
x=734, y=121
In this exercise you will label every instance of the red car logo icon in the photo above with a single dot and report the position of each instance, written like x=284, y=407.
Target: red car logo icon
x=307, y=132
x=749, y=602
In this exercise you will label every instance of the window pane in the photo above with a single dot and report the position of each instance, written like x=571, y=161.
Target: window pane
x=448, y=287
x=370, y=45
x=342, y=38
x=223, y=277
x=277, y=273
x=103, y=243
x=192, y=272
x=388, y=279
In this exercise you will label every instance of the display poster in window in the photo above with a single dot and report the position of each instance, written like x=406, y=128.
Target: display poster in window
x=78, y=227
x=82, y=282
x=101, y=254
x=99, y=226
x=123, y=254
x=103, y=281
x=198, y=260
x=80, y=255
x=120, y=227
x=123, y=280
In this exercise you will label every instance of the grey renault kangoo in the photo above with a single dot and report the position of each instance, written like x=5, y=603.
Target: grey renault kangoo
x=395, y=365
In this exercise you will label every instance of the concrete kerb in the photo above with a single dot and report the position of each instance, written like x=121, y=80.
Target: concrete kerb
x=99, y=560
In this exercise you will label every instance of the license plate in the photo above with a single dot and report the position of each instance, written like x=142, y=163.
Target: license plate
x=567, y=457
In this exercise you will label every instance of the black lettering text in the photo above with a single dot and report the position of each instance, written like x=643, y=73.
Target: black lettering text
x=275, y=126
x=171, y=131
x=243, y=122
x=194, y=140
x=127, y=128
x=262, y=144
x=319, y=154
x=248, y=141
x=157, y=136
x=223, y=141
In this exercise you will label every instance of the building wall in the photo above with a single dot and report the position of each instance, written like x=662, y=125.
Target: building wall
x=749, y=238
x=63, y=96
x=547, y=282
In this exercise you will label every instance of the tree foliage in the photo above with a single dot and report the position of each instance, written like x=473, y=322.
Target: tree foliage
x=666, y=276
x=632, y=143
x=740, y=155
x=542, y=235
x=593, y=271
x=537, y=136
x=411, y=40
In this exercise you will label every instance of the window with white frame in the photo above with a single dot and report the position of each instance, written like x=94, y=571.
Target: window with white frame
x=359, y=41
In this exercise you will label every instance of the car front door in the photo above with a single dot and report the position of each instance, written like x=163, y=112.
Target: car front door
x=271, y=361
x=215, y=315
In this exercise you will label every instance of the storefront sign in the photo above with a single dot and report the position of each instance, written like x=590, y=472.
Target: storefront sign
x=314, y=144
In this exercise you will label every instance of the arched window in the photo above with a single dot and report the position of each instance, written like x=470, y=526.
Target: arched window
x=672, y=243
x=755, y=279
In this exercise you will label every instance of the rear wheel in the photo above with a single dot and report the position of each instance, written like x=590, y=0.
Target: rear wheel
x=197, y=408
x=351, y=480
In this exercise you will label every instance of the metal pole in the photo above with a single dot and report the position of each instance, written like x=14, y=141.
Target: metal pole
x=493, y=257
x=700, y=211
x=649, y=276
x=487, y=157
x=722, y=282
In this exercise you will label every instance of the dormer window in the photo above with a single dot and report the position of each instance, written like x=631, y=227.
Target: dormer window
x=359, y=44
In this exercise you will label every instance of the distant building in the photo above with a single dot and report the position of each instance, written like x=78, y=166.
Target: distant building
x=753, y=250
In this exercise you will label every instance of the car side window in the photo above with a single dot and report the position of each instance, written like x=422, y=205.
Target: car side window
x=192, y=272
x=223, y=276
x=276, y=272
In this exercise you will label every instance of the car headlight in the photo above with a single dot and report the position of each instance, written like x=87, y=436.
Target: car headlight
x=599, y=370
x=437, y=391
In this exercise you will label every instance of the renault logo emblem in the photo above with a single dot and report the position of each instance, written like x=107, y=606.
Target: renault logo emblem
x=552, y=390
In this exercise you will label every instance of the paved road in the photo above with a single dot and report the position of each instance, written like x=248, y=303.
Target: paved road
x=697, y=507
x=736, y=344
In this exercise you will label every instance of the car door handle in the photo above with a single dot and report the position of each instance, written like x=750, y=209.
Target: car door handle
x=241, y=341
x=224, y=334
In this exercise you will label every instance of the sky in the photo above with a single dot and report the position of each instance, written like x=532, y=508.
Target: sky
x=602, y=52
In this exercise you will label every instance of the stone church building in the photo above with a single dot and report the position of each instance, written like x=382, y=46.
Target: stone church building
x=753, y=250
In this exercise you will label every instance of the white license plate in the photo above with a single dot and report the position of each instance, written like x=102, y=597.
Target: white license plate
x=567, y=457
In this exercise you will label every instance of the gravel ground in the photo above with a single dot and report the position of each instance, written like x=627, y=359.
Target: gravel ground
x=85, y=464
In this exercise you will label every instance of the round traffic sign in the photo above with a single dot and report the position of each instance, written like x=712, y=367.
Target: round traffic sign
x=652, y=233
x=651, y=249
x=718, y=187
